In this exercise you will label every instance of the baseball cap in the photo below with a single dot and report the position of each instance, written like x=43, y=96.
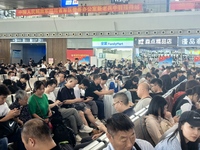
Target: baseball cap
x=191, y=117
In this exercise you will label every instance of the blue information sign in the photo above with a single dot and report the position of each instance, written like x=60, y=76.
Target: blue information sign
x=69, y=3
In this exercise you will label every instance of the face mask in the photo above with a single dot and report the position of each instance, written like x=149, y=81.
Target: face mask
x=12, y=78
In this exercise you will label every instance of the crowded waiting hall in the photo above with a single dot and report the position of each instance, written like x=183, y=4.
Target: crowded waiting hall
x=46, y=106
x=99, y=75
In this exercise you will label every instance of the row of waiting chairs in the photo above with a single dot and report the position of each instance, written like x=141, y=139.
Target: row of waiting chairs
x=102, y=141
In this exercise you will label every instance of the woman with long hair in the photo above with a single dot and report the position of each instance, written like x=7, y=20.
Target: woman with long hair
x=158, y=119
x=186, y=136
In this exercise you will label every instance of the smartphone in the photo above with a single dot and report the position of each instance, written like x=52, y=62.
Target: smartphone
x=178, y=112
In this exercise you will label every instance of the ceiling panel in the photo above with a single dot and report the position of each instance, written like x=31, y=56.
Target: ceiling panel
x=10, y=4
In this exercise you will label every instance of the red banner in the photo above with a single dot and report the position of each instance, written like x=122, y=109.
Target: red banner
x=82, y=55
x=182, y=5
x=80, y=9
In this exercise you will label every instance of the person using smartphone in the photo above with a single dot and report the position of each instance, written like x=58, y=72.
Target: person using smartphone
x=21, y=104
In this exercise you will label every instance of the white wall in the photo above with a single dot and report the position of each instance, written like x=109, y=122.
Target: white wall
x=135, y=22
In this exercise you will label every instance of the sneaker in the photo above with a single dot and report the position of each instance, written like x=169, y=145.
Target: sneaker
x=86, y=129
x=78, y=138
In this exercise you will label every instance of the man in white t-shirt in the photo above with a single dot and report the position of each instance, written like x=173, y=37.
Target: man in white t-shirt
x=5, y=115
x=143, y=94
x=67, y=113
x=79, y=91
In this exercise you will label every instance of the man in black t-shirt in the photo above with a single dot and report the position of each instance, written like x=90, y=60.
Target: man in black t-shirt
x=67, y=97
x=21, y=83
x=97, y=93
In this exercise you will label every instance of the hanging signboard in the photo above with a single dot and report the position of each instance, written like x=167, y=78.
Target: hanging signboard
x=155, y=41
x=112, y=42
x=80, y=9
x=189, y=41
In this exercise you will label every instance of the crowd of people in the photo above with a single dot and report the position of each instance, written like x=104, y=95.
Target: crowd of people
x=81, y=96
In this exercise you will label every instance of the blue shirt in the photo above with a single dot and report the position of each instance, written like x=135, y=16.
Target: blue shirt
x=144, y=145
x=172, y=144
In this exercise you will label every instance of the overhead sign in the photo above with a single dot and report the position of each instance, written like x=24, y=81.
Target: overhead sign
x=26, y=40
x=189, y=41
x=155, y=41
x=80, y=9
x=68, y=3
x=7, y=14
x=113, y=42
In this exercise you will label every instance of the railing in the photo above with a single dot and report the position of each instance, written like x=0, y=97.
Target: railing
x=102, y=141
x=114, y=9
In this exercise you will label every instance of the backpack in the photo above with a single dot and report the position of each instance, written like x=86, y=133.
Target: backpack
x=141, y=130
x=64, y=133
x=65, y=146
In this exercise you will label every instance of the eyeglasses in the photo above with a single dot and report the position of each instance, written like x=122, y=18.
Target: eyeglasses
x=115, y=103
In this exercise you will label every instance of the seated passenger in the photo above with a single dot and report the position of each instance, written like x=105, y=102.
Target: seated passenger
x=121, y=104
x=21, y=103
x=67, y=96
x=121, y=134
x=186, y=136
x=158, y=119
x=37, y=136
x=70, y=113
x=96, y=92
x=21, y=83
x=143, y=94
x=5, y=115
x=189, y=101
x=79, y=91
x=38, y=103
x=156, y=87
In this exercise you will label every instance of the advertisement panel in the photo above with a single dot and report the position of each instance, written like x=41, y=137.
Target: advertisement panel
x=197, y=61
x=80, y=9
x=189, y=41
x=82, y=55
x=165, y=61
x=113, y=42
x=156, y=41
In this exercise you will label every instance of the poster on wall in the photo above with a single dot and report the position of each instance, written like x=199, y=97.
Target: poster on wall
x=197, y=61
x=17, y=54
x=165, y=61
x=82, y=55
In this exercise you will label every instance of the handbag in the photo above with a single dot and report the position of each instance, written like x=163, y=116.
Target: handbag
x=8, y=128
x=49, y=123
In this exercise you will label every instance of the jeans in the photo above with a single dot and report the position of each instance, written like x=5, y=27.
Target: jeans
x=4, y=143
x=73, y=116
x=16, y=138
x=100, y=106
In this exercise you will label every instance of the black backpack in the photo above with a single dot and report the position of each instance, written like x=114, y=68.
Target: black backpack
x=65, y=146
x=63, y=133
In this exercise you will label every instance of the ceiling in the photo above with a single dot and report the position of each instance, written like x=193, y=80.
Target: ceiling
x=13, y=4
